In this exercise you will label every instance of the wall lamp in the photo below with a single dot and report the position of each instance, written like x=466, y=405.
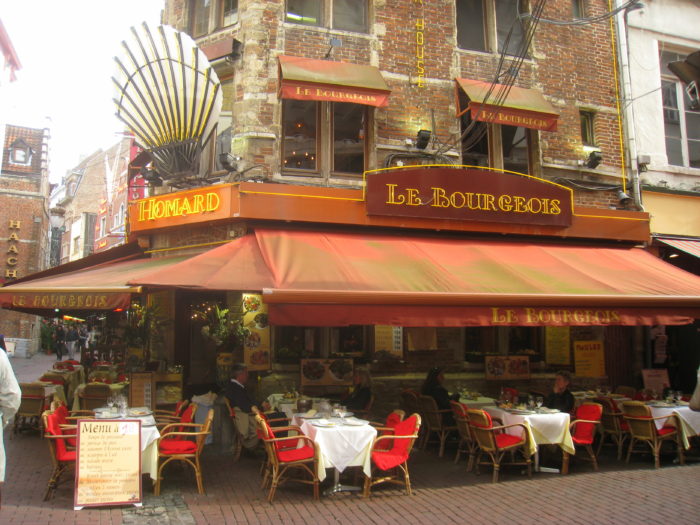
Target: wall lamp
x=623, y=198
x=422, y=138
x=151, y=177
x=229, y=162
x=594, y=159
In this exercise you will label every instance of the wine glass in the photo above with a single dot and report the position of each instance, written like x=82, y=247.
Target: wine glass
x=342, y=411
x=539, y=400
x=679, y=396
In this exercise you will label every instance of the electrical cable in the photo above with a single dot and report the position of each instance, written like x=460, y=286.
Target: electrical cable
x=592, y=19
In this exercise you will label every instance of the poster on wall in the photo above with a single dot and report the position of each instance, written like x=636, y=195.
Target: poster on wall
x=420, y=338
x=256, y=346
x=589, y=358
x=507, y=367
x=389, y=339
x=326, y=372
x=656, y=379
x=108, y=463
x=557, y=345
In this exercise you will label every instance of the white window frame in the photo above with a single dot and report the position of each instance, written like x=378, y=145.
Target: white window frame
x=489, y=25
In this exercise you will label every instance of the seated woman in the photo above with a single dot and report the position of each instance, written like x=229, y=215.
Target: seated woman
x=432, y=386
x=561, y=398
x=362, y=393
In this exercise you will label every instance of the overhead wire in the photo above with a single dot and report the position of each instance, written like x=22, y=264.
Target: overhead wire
x=588, y=20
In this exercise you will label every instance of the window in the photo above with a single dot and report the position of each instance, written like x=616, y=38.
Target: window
x=347, y=15
x=20, y=153
x=681, y=124
x=335, y=127
x=587, y=129
x=578, y=9
x=491, y=25
x=208, y=15
x=103, y=227
x=76, y=244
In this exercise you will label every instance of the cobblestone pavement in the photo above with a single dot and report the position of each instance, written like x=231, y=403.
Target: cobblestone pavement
x=443, y=493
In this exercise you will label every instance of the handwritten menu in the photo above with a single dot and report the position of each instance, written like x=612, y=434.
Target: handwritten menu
x=141, y=390
x=256, y=346
x=589, y=358
x=557, y=343
x=323, y=372
x=108, y=463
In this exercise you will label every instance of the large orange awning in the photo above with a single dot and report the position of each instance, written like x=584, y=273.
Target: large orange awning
x=310, y=79
x=521, y=107
x=312, y=278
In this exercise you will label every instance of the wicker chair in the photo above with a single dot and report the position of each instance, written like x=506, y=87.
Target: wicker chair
x=31, y=408
x=643, y=429
x=176, y=444
x=284, y=454
x=62, y=454
x=627, y=391
x=494, y=442
x=613, y=424
x=94, y=395
x=390, y=453
x=434, y=422
x=583, y=430
x=467, y=443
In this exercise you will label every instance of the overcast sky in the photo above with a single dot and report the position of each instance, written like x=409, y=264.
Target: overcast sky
x=66, y=49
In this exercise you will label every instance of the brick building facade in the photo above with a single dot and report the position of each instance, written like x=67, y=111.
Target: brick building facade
x=24, y=217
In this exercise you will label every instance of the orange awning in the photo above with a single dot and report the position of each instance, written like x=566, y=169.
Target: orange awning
x=312, y=278
x=687, y=246
x=521, y=107
x=100, y=287
x=310, y=79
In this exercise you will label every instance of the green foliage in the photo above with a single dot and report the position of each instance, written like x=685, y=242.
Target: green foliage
x=223, y=326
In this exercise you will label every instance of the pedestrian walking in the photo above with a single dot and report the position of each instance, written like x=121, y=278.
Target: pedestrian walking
x=10, y=397
x=71, y=341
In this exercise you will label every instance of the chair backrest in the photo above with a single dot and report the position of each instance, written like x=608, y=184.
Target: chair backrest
x=460, y=411
x=627, y=391
x=63, y=365
x=409, y=401
x=180, y=407
x=32, y=402
x=59, y=452
x=611, y=419
x=429, y=411
x=51, y=377
x=408, y=427
x=511, y=393
x=482, y=428
x=394, y=417
x=188, y=413
x=638, y=417
x=585, y=432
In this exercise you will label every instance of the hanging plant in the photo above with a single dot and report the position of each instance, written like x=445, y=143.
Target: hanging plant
x=223, y=326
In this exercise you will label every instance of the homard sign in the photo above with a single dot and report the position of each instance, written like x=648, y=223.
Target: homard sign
x=468, y=194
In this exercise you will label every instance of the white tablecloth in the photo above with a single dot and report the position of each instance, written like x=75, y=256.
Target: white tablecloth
x=690, y=420
x=341, y=446
x=544, y=429
x=289, y=406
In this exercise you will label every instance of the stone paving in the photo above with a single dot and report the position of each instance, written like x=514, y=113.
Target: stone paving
x=443, y=493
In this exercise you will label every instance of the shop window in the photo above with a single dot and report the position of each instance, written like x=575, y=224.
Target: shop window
x=491, y=25
x=20, y=153
x=513, y=153
x=347, y=15
x=587, y=128
x=681, y=123
x=514, y=340
x=293, y=343
x=350, y=341
x=311, y=127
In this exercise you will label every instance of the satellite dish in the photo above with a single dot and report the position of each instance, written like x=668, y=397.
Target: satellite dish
x=169, y=97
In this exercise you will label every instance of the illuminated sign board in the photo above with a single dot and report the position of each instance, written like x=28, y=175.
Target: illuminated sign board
x=468, y=194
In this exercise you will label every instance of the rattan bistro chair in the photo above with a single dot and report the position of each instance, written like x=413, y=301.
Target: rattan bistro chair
x=94, y=395
x=62, y=453
x=467, y=443
x=434, y=422
x=643, y=429
x=583, y=430
x=612, y=424
x=31, y=407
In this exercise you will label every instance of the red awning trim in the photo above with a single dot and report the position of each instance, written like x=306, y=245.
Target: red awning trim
x=687, y=246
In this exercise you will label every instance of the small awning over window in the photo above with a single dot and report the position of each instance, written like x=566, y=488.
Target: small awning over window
x=309, y=79
x=690, y=247
x=522, y=107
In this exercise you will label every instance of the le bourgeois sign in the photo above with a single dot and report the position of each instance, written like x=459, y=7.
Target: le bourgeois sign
x=467, y=194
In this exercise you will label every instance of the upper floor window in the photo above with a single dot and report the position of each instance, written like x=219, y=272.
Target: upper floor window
x=20, y=153
x=347, y=15
x=491, y=25
x=578, y=9
x=209, y=15
x=587, y=128
x=681, y=123
x=312, y=128
x=103, y=227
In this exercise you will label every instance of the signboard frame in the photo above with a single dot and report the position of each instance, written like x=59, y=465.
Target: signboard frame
x=322, y=369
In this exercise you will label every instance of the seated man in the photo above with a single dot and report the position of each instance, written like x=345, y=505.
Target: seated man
x=561, y=398
x=242, y=402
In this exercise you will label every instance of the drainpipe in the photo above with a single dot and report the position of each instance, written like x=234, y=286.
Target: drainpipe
x=628, y=109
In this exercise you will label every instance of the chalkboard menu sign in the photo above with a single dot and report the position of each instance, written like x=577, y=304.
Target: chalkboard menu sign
x=141, y=390
x=108, y=463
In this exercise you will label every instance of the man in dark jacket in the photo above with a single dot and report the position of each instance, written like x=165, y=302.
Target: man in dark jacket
x=561, y=398
x=242, y=403
x=71, y=341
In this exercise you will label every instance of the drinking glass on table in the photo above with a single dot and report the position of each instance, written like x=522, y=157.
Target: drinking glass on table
x=679, y=396
x=539, y=400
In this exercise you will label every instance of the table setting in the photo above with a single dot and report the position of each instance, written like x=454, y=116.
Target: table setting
x=672, y=405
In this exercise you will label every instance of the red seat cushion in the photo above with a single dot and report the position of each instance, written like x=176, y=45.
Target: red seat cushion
x=388, y=459
x=665, y=430
x=624, y=426
x=53, y=428
x=177, y=446
x=507, y=440
x=585, y=432
x=296, y=454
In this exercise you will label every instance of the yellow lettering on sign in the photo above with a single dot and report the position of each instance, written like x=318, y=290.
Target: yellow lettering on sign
x=12, y=249
x=154, y=208
x=14, y=224
x=11, y=274
x=12, y=261
x=13, y=237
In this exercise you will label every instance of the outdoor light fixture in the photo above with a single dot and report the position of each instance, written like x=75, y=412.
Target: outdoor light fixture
x=151, y=177
x=623, y=197
x=594, y=158
x=422, y=138
x=236, y=49
x=228, y=162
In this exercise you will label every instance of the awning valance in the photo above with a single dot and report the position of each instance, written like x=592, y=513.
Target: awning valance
x=310, y=79
x=688, y=246
x=100, y=287
x=521, y=107
x=312, y=278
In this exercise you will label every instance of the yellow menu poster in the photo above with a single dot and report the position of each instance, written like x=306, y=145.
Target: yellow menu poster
x=589, y=358
x=557, y=344
x=108, y=463
x=256, y=347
